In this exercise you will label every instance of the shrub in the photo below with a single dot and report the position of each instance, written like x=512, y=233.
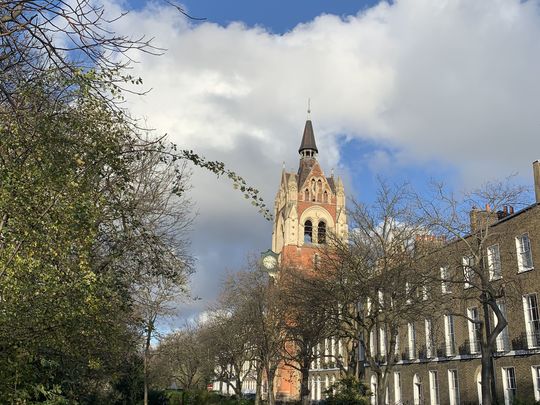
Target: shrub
x=347, y=391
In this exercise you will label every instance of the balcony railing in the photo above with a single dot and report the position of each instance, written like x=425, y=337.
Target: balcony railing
x=526, y=341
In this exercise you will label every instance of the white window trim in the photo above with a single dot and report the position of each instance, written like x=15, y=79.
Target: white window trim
x=535, y=370
x=521, y=267
x=411, y=334
x=428, y=325
x=449, y=338
x=382, y=341
x=473, y=342
x=503, y=340
x=454, y=399
x=531, y=342
x=433, y=387
x=492, y=263
x=397, y=387
x=468, y=271
x=372, y=343
x=444, y=284
x=505, y=370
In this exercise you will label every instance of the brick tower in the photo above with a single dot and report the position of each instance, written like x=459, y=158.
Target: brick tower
x=308, y=206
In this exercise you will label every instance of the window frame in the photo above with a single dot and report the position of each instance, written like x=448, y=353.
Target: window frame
x=509, y=384
x=494, y=265
x=430, y=346
x=474, y=330
x=520, y=251
x=449, y=335
x=467, y=263
x=535, y=370
x=411, y=341
x=532, y=326
x=453, y=386
x=444, y=272
x=310, y=233
x=434, y=388
x=397, y=387
x=502, y=341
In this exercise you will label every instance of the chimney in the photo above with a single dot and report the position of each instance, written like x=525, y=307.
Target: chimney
x=536, y=171
x=474, y=219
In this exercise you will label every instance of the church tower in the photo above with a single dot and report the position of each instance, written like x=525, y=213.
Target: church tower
x=308, y=206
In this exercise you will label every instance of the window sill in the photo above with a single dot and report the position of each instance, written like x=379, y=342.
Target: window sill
x=525, y=270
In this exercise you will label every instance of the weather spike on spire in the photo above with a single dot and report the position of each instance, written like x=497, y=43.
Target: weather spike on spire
x=309, y=108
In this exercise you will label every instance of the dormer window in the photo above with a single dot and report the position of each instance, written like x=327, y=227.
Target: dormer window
x=321, y=232
x=308, y=232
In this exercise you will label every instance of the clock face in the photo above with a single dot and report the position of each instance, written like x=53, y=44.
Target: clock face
x=269, y=262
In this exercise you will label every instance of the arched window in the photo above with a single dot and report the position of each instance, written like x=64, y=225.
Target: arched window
x=321, y=232
x=319, y=186
x=306, y=195
x=325, y=197
x=374, y=390
x=308, y=232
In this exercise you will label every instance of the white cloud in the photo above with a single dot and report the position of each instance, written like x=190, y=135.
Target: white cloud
x=453, y=80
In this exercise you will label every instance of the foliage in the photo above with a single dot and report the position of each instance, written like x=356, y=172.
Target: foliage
x=182, y=358
x=347, y=391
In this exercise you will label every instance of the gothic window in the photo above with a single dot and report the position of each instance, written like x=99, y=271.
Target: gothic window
x=308, y=232
x=321, y=232
x=306, y=195
x=325, y=197
x=319, y=190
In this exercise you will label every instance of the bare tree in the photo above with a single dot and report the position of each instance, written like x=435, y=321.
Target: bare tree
x=469, y=272
x=308, y=322
x=254, y=298
x=155, y=297
x=183, y=359
x=159, y=260
x=230, y=347
x=375, y=281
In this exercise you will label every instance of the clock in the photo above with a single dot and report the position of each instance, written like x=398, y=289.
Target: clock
x=269, y=262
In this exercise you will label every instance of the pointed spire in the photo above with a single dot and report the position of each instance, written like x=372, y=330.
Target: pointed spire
x=308, y=139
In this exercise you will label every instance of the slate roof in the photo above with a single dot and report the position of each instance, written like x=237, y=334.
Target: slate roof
x=308, y=139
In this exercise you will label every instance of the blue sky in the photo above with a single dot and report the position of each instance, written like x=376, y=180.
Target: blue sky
x=278, y=16
x=408, y=90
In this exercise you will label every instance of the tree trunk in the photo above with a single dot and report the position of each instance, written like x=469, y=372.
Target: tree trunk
x=145, y=377
x=238, y=387
x=304, y=385
x=258, y=385
x=145, y=359
x=486, y=376
x=486, y=372
x=381, y=388
x=270, y=375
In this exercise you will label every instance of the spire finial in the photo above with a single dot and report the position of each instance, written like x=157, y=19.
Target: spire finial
x=309, y=108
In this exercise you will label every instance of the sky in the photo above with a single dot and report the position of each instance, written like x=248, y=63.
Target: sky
x=409, y=90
